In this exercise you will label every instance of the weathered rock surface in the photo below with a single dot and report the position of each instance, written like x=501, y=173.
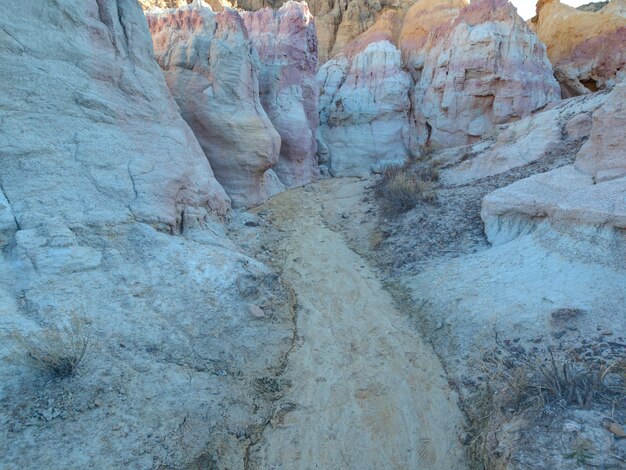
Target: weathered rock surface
x=216, y=5
x=615, y=7
x=338, y=22
x=211, y=68
x=590, y=192
x=604, y=155
x=528, y=140
x=484, y=68
x=364, y=104
x=107, y=209
x=593, y=6
x=287, y=47
x=586, y=45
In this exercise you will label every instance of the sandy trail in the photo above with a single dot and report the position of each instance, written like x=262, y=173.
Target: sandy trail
x=367, y=392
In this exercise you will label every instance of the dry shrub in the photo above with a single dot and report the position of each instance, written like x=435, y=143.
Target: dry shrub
x=57, y=350
x=400, y=190
x=514, y=381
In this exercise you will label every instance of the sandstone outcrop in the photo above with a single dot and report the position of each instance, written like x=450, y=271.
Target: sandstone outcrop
x=108, y=210
x=557, y=130
x=211, y=68
x=484, y=68
x=364, y=103
x=589, y=192
x=286, y=43
x=470, y=68
x=583, y=46
x=338, y=22
x=216, y=5
x=604, y=155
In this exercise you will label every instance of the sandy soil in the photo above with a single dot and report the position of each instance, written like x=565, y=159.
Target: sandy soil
x=365, y=390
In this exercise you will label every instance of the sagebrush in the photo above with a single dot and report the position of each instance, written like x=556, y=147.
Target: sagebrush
x=58, y=350
x=400, y=189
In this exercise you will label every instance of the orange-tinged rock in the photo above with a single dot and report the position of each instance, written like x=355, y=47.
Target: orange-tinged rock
x=586, y=45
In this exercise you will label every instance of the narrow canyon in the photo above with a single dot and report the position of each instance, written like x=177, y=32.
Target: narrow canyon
x=339, y=234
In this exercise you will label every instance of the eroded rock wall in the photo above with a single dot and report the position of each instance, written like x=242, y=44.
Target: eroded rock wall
x=108, y=211
x=364, y=103
x=585, y=48
x=286, y=42
x=212, y=68
x=484, y=68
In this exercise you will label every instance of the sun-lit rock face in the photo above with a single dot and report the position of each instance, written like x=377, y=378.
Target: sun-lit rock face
x=583, y=46
x=211, y=68
x=286, y=43
x=484, y=68
x=364, y=103
x=338, y=22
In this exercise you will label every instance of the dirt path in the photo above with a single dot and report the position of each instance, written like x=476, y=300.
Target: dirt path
x=367, y=392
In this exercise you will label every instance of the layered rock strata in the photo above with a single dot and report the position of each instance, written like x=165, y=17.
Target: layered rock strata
x=286, y=43
x=211, y=68
x=586, y=48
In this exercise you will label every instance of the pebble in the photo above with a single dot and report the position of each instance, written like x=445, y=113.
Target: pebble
x=256, y=311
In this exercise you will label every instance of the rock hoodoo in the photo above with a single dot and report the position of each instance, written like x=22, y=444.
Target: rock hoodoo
x=364, y=103
x=286, y=43
x=211, y=68
x=484, y=68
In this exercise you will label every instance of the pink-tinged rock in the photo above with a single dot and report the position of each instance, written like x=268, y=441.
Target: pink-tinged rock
x=90, y=134
x=534, y=138
x=584, y=47
x=211, y=68
x=484, y=68
x=604, y=155
x=364, y=103
x=590, y=192
x=286, y=42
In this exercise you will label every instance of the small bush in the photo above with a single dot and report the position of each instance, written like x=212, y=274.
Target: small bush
x=400, y=190
x=56, y=350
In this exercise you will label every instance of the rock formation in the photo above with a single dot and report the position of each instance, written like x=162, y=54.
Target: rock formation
x=471, y=67
x=364, y=103
x=338, y=22
x=585, y=48
x=108, y=209
x=615, y=7
x=560, y=129
x=593, y=6
x=286, y=43
x=589, y=192
x=216, y=5
x=211, y=68
x=484, y=68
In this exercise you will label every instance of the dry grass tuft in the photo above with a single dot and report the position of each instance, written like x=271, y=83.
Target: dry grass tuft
x=515, y=381
x=57, y=350
x=400, y=189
